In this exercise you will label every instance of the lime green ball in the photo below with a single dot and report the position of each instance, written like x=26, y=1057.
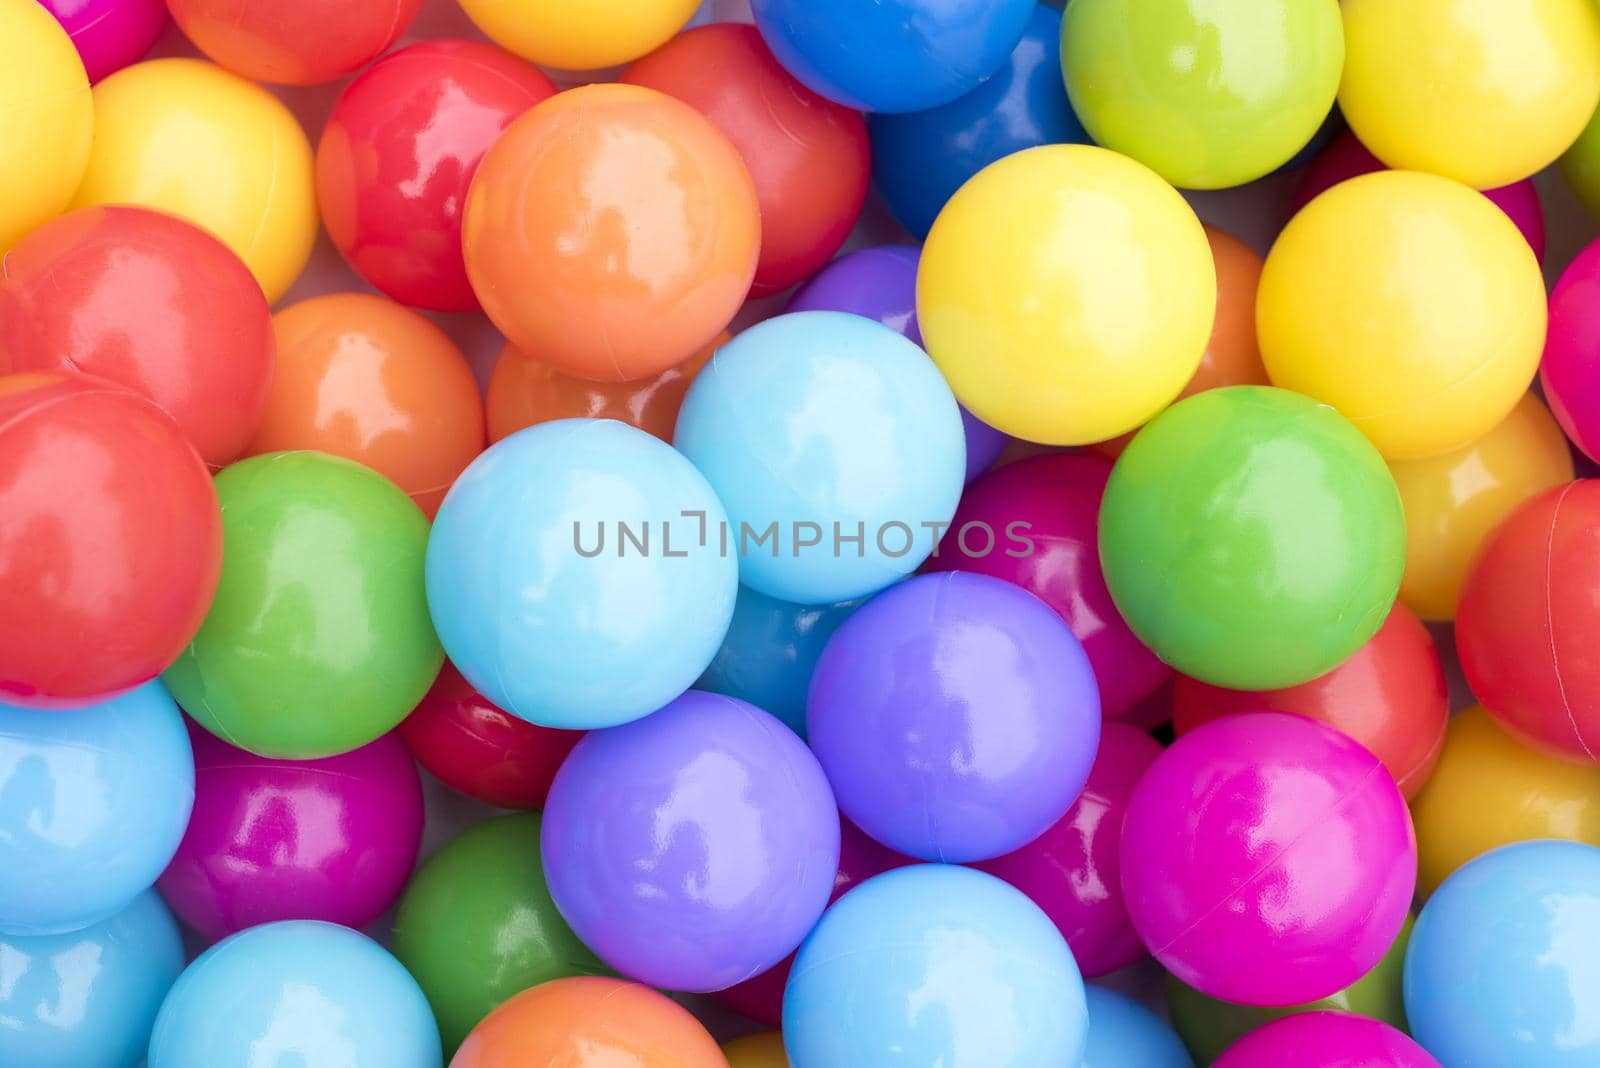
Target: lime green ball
x=1206, y=95
x=1580, y=166
x=477, y=925
x=319, y=638
x=1252, y=538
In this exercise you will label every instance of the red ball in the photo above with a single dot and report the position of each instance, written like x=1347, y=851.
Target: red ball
x=398, y=153
x=152, y=303
x=110, y=541
x=293, y=42
x=808, y=156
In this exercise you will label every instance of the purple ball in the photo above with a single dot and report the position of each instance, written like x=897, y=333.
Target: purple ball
x=956, y=717
x=109, y=34
x=881, y=284
x=694, y=848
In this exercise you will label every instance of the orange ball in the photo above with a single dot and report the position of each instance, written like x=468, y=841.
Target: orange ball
x=613, y=231
x=589, y=1022
x=364, y=378
x=293, y=42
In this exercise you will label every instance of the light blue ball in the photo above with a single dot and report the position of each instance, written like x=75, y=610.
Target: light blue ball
x=1125, y=1034
x=1504, y=965
x=89, y=998
x=299, y=992
x=824, y=427
x=566, y=580
x=93, y=803
x=934, y=964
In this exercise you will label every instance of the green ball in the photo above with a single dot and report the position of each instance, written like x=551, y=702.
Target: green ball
x=319, y=639
x=477, y=925
x=1207, y=95
x=1252, y=538
x=1580, y=166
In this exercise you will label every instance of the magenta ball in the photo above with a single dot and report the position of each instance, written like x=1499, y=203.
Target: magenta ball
x=1035, y=523
x=1074, y=870
x=1325, y=1040
x=956, y=717
x=1571, y=368
x=109, y=34
x=1268, y=859
x=693, y=848
x=332, y=839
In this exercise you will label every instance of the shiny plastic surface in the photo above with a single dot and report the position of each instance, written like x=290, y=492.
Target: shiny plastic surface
x=764, y=1050
x=579, y=34
x=187, y=137
x=1570, y=372
x=331, y=839
x=1267, y=859
x=319, y=639
x=934, y=964
x=293, y=42
x=1209, y=95
x=726, y=777
x=1326, y=1040
x=1125, y=1034
x=109, y=34
x=1067, y=293
x=46, y=118
x=542, y=602
x=1580, y=166
x=1252, y=538
x=397, y=156
x=611, y=232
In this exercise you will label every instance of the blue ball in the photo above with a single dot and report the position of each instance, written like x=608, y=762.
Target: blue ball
x=89, y=998
x=1501, y=968
x=296, y=992
x=817, y=429
x=93, y=803
x=892, y=55
x=576, y=574
x=934, y=964
x=920, y=159
x=1125, y=1034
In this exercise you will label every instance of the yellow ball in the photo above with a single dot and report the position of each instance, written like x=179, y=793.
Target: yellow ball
x=1409, y=303
x=46, y=118
x=756, y=1051
x=1490, y=790
x=1453, y=501
x=579, y=34
x=1483, y=91
x=1067, y=294
x=189, y=138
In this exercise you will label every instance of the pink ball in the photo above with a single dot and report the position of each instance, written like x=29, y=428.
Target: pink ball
x=1073, y=870
x=1570, y=372
x=1053, y=501
x=1268, y=859
x=1326, y=1040
x=332, y=839
x=109, y=34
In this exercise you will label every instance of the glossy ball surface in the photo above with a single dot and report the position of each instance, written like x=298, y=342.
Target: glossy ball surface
x=46, y=118
x=293, y=42
x=579, y=34
x=1125, y=1034
x=764, y=1050
x=109, y=34
x=1326, y=1040
x=1571, y=363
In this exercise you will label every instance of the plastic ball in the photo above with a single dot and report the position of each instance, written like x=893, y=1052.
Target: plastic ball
x=293, y=42
x=1571, y=364
x=1252, y=538
x=1208, y=96
x=282, y=990
x=707, y=770
x=920, y=159
x=1073, y=870
x=398, y=154
x=590, y=1022
x=1453, y=501
x=89, y=998
x=109, y=34
x=611, y=232
x=1580, y=166
x=361, y=377
x=111, y=544
x=331, y=839
x=46, y=118
x=318, y=640
x=764, y=1050
x=482, y=751
x=1125, y=1034
x=1491, y=790
x=187, y=137
x=1067, y=293
x=807, y=156
x=934, y=964
x=1486, y=94
x=575, y=574
x=1525, y=629
x=1034, y=523
x=477, y=925
x=579, y=34
x=1326, y=1040
x=1264, y=862
x=1500, y=970
x=93, y=803
x=956, y=717
x=152, y=303
x=898, y=55
x=1390, y=696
